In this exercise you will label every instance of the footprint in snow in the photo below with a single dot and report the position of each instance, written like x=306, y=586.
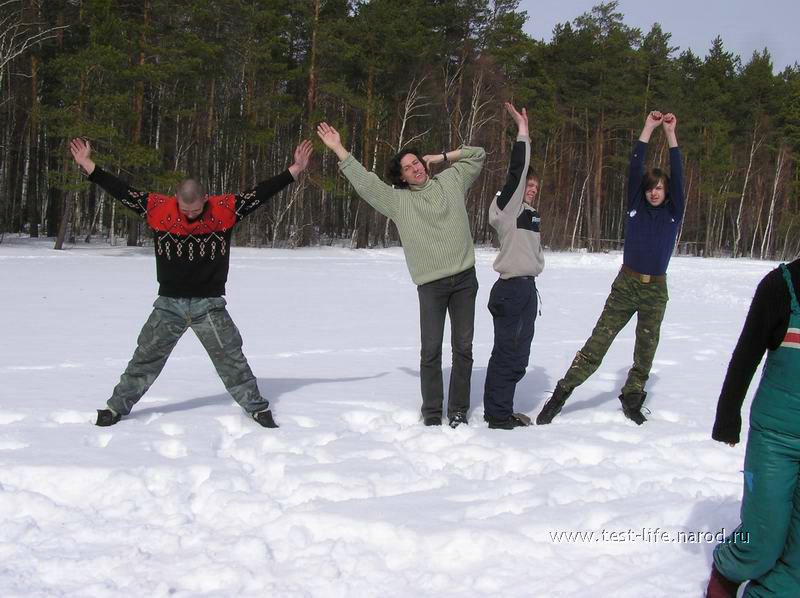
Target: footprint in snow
x=362, y=421
x=70, y=417
x=171, y=449
x=98, y=440
x=172, y=429
x=304, y=422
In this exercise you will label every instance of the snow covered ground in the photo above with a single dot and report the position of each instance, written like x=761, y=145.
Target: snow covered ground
x=352, y=496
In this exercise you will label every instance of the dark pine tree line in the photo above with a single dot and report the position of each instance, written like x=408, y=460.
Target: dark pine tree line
x=223, y=90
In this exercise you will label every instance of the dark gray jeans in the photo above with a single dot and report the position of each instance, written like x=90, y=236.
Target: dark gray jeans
x=456, y=295
x=212, y=324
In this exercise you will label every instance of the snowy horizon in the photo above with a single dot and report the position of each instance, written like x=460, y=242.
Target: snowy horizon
x=353, y=495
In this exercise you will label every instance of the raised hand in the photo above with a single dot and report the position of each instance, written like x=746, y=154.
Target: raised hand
x=302, y=154
x=81, y=152
x=652, y=122
x=521, y=118
x=432, y=159
x=654, y=119
x=331, y=138
x=670, y=122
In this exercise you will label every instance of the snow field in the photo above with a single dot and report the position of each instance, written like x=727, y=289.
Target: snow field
x=352, y=496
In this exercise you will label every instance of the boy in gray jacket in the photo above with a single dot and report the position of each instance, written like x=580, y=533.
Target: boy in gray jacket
x=513, y=300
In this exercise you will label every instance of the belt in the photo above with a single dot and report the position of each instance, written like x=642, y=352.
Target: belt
x=645, y=278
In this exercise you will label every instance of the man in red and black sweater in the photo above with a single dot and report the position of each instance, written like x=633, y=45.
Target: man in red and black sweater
x=192, y=235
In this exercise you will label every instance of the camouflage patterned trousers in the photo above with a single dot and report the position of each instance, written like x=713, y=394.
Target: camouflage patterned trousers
x=628, y=296
x=212, y=324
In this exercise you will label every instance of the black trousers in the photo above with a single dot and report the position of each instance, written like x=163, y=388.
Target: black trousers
x=513, y=304
x=454, y=295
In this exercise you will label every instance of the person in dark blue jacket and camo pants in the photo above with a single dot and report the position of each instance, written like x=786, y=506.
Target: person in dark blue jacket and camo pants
x=655, y=211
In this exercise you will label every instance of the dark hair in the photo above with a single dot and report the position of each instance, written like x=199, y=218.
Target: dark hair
x=394, y=171
x=531, y=174
x=190, y=191
x=652, y=177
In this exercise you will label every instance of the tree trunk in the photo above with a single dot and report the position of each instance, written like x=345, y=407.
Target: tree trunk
x=754, y=144
x=32, y=161
x=596, y=230
x=766, y=240
x=311, y=93
x=576, y=228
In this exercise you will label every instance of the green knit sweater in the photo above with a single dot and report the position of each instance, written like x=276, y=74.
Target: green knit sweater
x=431, y=218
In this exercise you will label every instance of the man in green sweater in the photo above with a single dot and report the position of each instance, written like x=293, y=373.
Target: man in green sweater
x=431, y=217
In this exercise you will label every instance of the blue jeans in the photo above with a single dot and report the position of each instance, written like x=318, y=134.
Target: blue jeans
x=513, y=304
x=212, y=324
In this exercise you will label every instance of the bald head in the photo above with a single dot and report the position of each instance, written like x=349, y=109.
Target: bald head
x=189, y=191
x=191, y=198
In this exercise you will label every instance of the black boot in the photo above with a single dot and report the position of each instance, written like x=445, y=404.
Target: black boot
x=106, y=417
x=553, y=406
x=517, y=420
x=632, y=406
x=265, y=419
x=457, y=418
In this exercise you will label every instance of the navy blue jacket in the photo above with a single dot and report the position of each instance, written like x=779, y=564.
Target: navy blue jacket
x=650, y=232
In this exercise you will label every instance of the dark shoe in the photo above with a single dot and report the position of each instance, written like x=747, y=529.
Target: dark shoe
x=106, y=417
x=264, y=418
x=632, y=406
x=457, y=418
x=553, y=406
x=432, y=421
x=517, y=420
x=720, y=586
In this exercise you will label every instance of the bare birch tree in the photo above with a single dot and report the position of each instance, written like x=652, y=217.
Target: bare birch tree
x=755, y=143
x=765, y=241
x=18, y=34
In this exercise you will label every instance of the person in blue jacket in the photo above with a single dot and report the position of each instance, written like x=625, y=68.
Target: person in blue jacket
x=655, y=211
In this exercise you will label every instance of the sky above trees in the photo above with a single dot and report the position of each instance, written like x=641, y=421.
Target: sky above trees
x=745, y=26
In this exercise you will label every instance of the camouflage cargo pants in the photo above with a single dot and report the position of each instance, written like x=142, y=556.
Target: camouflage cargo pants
x=212, y=324
x=628, y=296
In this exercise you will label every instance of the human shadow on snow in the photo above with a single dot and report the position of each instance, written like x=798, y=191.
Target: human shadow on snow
x=606, y=397
x=271, y=388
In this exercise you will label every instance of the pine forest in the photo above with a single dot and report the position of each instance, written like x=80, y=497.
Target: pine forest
x=223, y=90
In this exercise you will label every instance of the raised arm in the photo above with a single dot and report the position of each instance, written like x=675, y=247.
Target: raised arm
x=367, y=184
x=467, y=164
x=513, y=192
x=636, y=168
x=255, y=198
x=651, y=123
x=677, y=199
x=670, y=124
x=81, y=151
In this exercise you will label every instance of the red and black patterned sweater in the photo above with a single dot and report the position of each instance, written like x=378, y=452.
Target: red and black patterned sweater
x=191, y=256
